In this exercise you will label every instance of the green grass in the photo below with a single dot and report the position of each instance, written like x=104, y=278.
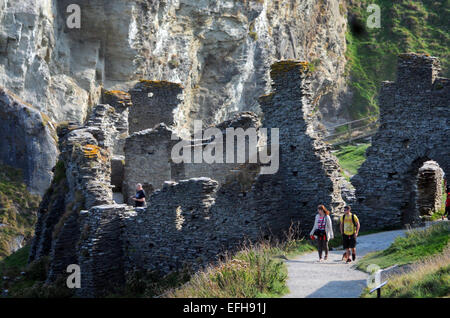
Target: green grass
x=18, y=208
x=28, y=280
x=426, y=279
x=15, y=261
x=256, y=271
x=351, y=158
x=406, y=26
x=416, y=245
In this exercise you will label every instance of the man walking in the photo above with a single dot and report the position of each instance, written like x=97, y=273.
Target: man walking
x=349, y=230
x=139, y=197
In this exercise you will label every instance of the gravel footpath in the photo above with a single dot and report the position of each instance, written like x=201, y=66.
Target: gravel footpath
x=333, y=278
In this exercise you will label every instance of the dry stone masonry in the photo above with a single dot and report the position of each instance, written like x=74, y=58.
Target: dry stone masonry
x=192, y=222
x=153, y=103
x=120, y=101
x=308, y=173
x=100, y=250
x=149, y=155
x=196, y=215
x=414, y=128
x=429, y=188
x=83, y=181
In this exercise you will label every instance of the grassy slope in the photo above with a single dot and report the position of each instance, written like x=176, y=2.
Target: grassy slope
x=406, y=26
x=351, y=157
x=256, y=271
x=17, y=208
x=416, y=245
x=429, y=278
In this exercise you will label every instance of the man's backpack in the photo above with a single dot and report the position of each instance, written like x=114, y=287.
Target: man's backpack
x=353, y=220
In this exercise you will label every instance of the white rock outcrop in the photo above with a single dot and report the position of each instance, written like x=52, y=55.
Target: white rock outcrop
x=219, y=50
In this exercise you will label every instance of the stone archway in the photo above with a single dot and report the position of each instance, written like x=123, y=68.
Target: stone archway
x=414, y=128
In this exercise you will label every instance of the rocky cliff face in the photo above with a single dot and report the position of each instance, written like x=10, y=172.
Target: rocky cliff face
x=28, y=141
x=219, y=50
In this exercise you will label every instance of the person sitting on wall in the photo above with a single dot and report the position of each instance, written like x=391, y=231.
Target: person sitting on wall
x=139, y=197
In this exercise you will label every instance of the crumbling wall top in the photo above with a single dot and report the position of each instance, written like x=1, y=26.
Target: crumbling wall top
x=159, y=84
x=417, y=70
x=280, y=68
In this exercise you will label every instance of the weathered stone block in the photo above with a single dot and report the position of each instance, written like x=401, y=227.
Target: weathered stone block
x=153, y=103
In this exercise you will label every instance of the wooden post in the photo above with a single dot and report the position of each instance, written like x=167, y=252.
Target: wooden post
x=378, y=289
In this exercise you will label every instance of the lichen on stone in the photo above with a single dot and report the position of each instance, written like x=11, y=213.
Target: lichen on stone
x=117, y=93
x=266, y=97
x=285, y=66
x=91, y=151
x=159, y=84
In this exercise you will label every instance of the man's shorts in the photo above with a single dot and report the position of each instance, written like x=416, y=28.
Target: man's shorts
x=349, y=241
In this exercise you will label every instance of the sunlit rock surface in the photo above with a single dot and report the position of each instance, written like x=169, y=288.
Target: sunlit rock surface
x=219, y=51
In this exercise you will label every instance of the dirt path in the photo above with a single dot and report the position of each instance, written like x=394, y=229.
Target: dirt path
x=333, y=278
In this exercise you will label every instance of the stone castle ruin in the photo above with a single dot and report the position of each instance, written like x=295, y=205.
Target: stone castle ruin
x=197, y=212
x=414, y=129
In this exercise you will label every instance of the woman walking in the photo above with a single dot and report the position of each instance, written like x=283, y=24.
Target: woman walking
x=322, y=230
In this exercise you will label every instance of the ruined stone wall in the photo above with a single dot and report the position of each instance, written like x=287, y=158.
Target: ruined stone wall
x=121, y=103
x=153, y=103
x=224, y=171
x=308, y=173
x=414, y=128
x=176, y=228
x=147, y=158
x=193, y=222
x=85, y=181
x=101, y=250
x=149, y=161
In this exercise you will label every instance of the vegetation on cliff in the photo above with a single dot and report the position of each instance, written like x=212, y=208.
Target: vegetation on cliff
x=428, y=276
x=17, y=210
x=406, y=26
x=351, y=157
x=416, y=245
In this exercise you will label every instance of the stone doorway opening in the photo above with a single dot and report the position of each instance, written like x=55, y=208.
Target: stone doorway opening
x=429, y=190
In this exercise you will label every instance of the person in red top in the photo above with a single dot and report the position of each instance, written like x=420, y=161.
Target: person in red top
x=323, y=230
x=447, y=206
